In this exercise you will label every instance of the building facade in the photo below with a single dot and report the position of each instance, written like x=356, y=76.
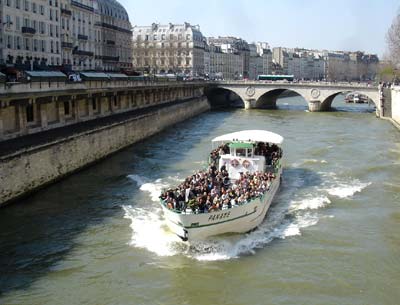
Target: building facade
x=172, y=48
x=223, y=65
x=30, y=34
x=256, y=65
x=235, y=46
x=65, y=34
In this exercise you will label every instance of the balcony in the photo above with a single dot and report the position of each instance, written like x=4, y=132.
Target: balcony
x=108, y=58
x=82, y=53
x=82, y=37
x=66, y=12
x=111, y=42
x=66, y=45
x=113, y=27
x=28, y=30
x=82, y=6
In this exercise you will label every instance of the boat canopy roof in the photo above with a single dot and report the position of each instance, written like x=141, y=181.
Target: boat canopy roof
x=250, y=136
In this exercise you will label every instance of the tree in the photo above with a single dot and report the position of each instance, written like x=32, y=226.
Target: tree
x=387, y=73
x=393, y=41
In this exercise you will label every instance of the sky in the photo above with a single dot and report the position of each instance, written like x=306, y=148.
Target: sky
x=347, y=25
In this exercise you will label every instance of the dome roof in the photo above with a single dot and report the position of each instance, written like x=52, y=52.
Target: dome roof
x=112, y=8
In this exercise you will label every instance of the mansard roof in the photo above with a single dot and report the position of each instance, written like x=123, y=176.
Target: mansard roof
x=112, y=8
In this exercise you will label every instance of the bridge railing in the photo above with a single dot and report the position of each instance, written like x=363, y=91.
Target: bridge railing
x=301, y=83
x=45, y=86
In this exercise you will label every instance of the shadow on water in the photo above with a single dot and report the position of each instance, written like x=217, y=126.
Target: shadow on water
x=40, y=231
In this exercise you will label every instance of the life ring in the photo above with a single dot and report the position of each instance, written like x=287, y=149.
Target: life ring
x=234, y=163
x=246, y=164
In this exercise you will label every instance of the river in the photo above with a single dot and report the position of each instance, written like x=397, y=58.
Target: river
x=331, y=236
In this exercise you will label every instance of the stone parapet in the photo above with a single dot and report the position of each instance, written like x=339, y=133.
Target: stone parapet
x=395, y=104
x=30, y=169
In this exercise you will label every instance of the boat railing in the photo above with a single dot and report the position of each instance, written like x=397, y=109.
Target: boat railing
x=189, y=210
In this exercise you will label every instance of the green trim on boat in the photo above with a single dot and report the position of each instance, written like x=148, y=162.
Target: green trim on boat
x=240, y=145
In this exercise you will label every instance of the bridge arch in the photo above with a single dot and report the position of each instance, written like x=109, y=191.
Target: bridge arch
x=326, y=104
x=220, y=97
x=268, y=100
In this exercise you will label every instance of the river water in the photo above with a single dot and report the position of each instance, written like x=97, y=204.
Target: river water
x=331, y=236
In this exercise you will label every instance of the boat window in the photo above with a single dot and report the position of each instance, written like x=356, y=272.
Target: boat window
x=241, y=152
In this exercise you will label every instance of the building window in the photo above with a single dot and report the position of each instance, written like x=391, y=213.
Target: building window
x=17, y=23
x=42, y=27
x=9, y=42
x=94, y=104
x=8, y=21
x=18, y=42
x=29, y=113
x=26, y=6
x=67, y=109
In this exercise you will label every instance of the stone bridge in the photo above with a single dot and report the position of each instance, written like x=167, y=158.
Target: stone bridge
x=319, y=95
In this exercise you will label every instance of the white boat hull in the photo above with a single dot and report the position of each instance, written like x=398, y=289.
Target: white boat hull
x=238, y=219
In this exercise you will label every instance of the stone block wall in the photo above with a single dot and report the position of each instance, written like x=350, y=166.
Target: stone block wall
x=27, y=171
x=396, y=104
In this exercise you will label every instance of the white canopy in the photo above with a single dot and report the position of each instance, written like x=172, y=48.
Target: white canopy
x=251, y=136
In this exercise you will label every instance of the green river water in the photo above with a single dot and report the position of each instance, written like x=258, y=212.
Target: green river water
x=332, y=235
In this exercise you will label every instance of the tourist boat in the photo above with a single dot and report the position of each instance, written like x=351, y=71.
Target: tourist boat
x=242, y=158
x=356, y=98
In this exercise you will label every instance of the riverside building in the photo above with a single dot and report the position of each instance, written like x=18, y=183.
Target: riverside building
x=67, y=35
x=171, y=48
x=234, y=46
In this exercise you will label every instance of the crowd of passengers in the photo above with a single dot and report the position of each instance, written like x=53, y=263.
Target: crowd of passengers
x=212, y=190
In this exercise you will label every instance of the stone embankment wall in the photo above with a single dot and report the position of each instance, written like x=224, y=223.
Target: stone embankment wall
x=29, y=170
x=396, y=105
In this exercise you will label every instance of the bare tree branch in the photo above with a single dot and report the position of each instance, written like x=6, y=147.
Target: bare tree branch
x=393, y=40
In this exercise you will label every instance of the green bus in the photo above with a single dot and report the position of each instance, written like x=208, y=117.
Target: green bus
x=276, y=77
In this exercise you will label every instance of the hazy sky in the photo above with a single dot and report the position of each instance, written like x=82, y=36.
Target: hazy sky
x=321, y=24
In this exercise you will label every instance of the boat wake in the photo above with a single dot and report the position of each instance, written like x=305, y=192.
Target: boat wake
x=296, y=208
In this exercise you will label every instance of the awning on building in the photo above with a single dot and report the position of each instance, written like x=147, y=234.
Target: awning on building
x=38, y=76
x=88, y=76
x=118, y=76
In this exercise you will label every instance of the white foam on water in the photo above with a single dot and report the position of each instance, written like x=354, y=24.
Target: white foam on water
x=312, y=203
x=153, y=188
x=149, y=230
x=138, y=179
x=341, y=187
x=309, y=161
x=347, y=190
